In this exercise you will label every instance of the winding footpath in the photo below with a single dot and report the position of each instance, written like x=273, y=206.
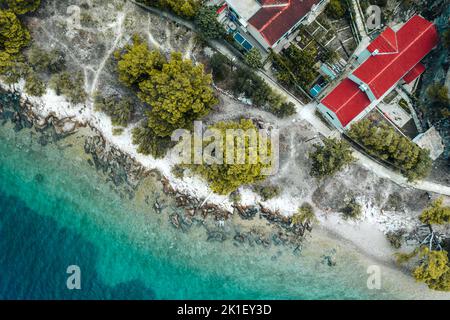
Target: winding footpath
x=307, y=113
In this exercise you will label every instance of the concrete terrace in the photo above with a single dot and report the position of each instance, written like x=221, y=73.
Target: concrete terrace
x=246, y=8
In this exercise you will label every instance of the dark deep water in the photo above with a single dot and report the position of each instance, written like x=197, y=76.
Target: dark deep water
x=34, y=255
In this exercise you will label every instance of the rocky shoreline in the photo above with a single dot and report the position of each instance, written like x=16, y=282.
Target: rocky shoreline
x=267, y=227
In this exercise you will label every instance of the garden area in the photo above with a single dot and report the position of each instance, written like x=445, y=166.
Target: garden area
x=245, y=84
x=317, y=54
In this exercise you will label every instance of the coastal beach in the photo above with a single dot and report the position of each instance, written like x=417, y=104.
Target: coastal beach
x=52, y=184
x=90, y=94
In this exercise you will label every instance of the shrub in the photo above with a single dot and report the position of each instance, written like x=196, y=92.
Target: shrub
x=395, y=238
x=235, y=197
x=46, y=61
x=150, y=143
x=117, y=131
x=248, y=83
x=178, y=171
x=69, y=85
x=438, y=93
x=436, y=213
x=394, y=202
x=286, y=109
x=267, y=191
x=207, y=23
x=352, y=210
x=253, y=58
x=305, y=214
x=34, y=85
x=329, y=158
x=385, y=143
x=119, y=109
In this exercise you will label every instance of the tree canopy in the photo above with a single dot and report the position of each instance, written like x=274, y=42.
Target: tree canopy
x=178, y=94
x=305, y=214
x=207, y=23
x=13, y=38
x=295, y=66
x=385, y=143
x=221, y=66
x=22, y=6
x=335, y=9
x=13, y=67
x=13, y=35
x=446, y=38
x=436, y=213
x=434, y=269
x=176, y=91
x=136, y=62
x=329, y=158
x=253, y=58
x=226, y=177
x=184, y=8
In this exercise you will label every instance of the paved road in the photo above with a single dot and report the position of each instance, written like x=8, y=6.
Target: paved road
x=307, y=113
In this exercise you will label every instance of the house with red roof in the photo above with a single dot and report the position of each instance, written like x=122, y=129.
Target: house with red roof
x=271, y=22
x=393, y=58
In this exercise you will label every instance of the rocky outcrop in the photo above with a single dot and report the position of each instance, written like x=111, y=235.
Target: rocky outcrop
x=123, y=170
x=119, y=166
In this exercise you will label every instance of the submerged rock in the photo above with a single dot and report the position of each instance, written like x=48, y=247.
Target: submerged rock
x=39, y=178
x=157, y=206
x=330, y=258
x=246, y=212
x=216, y=236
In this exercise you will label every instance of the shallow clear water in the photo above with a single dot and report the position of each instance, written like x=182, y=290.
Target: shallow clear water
x=56, y=211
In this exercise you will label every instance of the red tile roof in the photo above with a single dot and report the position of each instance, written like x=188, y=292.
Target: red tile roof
x=386, y=42
x=273, y=2
x=415, y=40
x=274, y=21
x=222, y=8
x=346, y=101
x=414, y=73
x=399, y=57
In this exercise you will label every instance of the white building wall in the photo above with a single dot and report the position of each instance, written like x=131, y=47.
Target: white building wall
x=330, y=116
x=363, y=56
x=258, y=37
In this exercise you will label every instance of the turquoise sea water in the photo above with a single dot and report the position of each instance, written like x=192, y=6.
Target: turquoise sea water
x=56, y=211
